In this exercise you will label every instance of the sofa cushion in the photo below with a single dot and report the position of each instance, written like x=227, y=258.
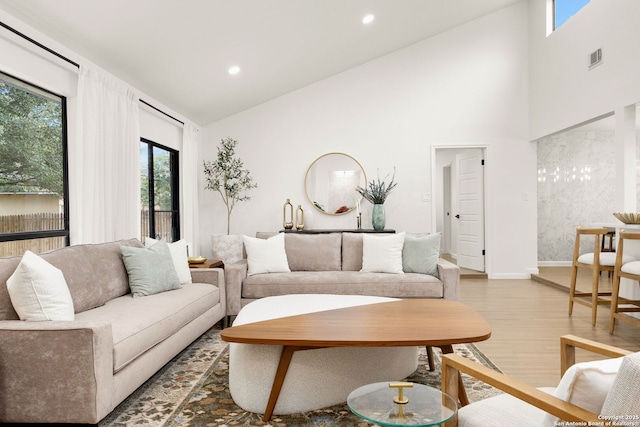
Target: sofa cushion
x=38, y=291
x=412, y=285
x=382, y=253
x=420, y=254
x=94, y=274
x=352, y=251
x=108, y=272
x=138, y=324
x=150, y=270
x=7, y=267
x=313, y=252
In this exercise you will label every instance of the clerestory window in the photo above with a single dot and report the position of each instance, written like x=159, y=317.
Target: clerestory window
x=565, y=9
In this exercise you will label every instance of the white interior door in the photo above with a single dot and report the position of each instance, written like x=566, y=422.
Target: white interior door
x=470, y=209
x=446, y=210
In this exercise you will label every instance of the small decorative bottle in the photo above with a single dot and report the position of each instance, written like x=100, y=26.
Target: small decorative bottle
x=287, y=220
x=299, y=218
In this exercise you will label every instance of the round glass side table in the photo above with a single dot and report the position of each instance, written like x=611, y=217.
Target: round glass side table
x=402, y=404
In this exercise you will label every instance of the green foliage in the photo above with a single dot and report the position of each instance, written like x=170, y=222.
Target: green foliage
x=30, y=142
x=161, y=183
x=378, y=190
x=227, y=175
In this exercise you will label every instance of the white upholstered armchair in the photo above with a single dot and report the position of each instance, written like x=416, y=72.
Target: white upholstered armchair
x=597, y=391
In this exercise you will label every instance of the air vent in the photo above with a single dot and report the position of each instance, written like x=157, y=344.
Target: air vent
x=595, y=58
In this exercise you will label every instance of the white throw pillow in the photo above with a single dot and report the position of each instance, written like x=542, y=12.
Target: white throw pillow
x=38, y=291
x=179, y=256
x=586, y=385
x=266, y=255
x=382, y=253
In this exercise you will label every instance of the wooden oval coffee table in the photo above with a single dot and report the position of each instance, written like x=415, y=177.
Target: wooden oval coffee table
x=409, y=322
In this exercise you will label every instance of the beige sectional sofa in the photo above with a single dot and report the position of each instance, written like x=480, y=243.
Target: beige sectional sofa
x=78, y=371
x=330, y=264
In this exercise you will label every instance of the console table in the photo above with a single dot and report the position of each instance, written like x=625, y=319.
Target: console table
x=326, y=231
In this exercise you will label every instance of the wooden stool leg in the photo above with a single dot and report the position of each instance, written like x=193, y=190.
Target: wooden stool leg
x=594, y=295
x=572, y=287
x=614, y=302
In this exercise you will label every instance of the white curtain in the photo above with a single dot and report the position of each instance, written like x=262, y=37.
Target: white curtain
x=190, y=169
x=105, y=161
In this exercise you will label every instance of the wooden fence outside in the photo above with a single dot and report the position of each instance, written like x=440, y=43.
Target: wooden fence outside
x=53, y=221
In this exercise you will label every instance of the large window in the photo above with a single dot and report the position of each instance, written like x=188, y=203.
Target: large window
x=33, y=169
x=565, y=9
x=159, y=191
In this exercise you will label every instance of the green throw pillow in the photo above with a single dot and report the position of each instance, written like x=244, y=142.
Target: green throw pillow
x=151, y=270
x=420, y=254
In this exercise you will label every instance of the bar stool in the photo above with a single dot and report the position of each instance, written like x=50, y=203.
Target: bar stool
x=629, y=270
x=597, y=262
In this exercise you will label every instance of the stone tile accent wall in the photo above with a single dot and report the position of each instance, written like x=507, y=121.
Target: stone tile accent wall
x=576, y=187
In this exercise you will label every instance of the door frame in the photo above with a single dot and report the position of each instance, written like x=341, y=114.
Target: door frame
x=437, y=190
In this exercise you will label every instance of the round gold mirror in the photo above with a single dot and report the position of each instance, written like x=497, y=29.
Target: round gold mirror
x=331, y=181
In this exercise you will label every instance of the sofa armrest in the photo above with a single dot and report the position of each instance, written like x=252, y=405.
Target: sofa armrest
x=234, y=275
x=213, y=276
x=450, y=277
x=58, y=372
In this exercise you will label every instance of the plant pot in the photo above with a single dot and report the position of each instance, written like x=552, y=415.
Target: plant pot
x=377, y=217
x=227, y=247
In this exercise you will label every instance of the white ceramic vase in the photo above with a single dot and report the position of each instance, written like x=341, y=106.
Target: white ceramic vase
x=227, y=247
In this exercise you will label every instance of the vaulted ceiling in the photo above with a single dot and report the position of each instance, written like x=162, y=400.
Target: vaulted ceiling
x=179, y=51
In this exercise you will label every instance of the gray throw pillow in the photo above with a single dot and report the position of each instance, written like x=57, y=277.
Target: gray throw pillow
x=420, y=254
x=151, y=270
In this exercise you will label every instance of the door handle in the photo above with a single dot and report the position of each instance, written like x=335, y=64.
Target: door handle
x=458, y=216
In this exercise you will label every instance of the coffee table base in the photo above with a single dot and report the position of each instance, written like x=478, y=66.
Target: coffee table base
x=285, y=361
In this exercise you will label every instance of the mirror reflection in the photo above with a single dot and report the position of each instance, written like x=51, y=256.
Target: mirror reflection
x=331, y=181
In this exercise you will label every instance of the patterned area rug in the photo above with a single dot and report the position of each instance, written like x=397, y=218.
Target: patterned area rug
x=192, y=390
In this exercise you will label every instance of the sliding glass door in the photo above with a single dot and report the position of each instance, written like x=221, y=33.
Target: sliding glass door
x=159, y=191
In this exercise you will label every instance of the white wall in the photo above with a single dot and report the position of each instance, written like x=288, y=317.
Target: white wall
x=28, y=62
x=563, y=91
x=467, y=86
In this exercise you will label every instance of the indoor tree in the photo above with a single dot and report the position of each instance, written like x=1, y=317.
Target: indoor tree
x=227, y=175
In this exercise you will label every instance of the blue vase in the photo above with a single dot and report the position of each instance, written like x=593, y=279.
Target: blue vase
x=377, y=218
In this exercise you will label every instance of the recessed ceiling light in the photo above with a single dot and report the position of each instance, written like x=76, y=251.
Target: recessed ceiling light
x=233, y=70
x=368, y=19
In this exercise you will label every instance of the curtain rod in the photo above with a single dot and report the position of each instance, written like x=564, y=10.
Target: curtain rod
x=40, y=45
x=160, y=111
x=64, y=58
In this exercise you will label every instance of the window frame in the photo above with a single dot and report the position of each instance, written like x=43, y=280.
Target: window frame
x=174, y=164
x=44, y=234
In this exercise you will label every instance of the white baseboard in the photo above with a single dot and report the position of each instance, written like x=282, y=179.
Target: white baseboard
x=510, y=276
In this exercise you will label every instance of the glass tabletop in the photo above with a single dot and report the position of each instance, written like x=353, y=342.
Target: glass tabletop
x=424, y=406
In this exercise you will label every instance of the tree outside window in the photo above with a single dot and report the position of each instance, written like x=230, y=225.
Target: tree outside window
x=33, y=183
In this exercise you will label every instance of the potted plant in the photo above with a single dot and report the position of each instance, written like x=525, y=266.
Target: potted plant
x=227, y=175
x=377, y=193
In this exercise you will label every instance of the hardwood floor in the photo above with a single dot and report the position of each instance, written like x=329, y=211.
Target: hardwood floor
x=528, y=318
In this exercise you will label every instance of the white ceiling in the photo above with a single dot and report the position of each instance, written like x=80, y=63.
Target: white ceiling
x=178, y=51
